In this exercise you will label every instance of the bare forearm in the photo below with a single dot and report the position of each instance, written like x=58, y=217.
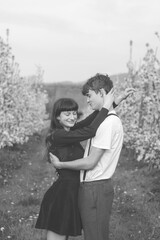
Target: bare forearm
x=118, y=100
x=127, y=92
x=80, y=164
x=86, y=163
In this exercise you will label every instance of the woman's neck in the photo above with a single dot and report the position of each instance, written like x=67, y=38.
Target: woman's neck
x=67, y=129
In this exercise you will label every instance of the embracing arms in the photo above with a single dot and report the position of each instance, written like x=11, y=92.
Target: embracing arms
x=86, y=163
x=61, y=137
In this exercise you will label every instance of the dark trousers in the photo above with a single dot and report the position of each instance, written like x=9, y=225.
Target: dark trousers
x=95, y=204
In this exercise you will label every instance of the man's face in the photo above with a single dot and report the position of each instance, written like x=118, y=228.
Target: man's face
x=95, y=100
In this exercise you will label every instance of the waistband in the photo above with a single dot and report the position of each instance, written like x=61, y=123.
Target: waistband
x=95, y=182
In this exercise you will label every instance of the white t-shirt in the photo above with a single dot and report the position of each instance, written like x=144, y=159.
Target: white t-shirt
x=109, y=137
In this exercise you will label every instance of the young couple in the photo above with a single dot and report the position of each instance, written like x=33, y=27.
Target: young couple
x=83, y=199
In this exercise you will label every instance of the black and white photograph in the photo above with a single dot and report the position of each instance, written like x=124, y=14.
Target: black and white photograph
x=80, y=120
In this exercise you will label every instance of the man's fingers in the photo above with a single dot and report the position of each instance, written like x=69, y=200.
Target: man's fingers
x=52, y=158
x=111, y=91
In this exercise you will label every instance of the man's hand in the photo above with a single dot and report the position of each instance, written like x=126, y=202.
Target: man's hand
x=55, y=161
x=127, y=92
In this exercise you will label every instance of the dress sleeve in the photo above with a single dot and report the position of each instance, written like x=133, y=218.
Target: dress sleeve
x=88, y=120
x=62, y=137
x=114, y=105
x=85, y=122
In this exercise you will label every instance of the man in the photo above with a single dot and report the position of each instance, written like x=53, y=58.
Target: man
x=99, y=163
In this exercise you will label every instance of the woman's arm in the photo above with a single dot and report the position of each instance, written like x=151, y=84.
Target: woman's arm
x=88, y=120
x=85, y=122
x=61, y=137
x=127, y=92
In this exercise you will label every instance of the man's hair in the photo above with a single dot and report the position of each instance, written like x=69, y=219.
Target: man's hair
x=96, y=83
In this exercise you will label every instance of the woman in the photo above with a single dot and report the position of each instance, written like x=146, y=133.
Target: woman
x=59, y=213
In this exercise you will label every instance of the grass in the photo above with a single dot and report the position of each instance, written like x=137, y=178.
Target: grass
x=136, y=210
x=25, y=176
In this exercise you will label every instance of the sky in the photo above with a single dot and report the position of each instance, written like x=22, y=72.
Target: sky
x=73, y=40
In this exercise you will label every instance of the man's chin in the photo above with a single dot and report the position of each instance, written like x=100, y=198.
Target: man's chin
x=93, y=107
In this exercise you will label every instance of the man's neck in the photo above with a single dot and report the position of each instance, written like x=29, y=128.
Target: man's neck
x=110, y=109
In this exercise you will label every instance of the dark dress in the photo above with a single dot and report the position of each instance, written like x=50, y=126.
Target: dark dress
x=59, y=211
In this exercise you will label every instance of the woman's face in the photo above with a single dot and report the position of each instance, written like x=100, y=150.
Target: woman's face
x=67, y=119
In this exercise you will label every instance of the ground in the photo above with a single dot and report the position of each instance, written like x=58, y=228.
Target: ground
x=25, y=175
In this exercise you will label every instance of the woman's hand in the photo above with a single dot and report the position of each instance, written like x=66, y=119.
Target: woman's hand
x=127, y=92
x=55, y=161
x=108, y=99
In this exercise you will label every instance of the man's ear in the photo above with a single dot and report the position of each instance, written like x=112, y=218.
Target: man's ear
x=102, y=92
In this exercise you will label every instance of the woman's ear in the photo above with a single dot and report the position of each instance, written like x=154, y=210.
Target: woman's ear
x=58, y=117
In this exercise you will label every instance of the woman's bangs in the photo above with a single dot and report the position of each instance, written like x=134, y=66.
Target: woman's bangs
x=69, y=105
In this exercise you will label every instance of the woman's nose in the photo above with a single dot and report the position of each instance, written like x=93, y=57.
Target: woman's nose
x=72, y=116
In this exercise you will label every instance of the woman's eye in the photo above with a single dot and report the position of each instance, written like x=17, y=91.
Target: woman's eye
x=70, y=113
x=66, y=113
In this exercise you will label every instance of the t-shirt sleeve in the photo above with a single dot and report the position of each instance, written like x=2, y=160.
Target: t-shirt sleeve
x=103, y=136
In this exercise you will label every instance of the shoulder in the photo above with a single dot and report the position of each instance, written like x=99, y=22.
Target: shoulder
x=55, y=133
x=111, y=123
x=111, y=120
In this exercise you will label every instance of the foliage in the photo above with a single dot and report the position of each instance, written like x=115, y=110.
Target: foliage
x=22, y=100
x=141, y=112
x=69, y=90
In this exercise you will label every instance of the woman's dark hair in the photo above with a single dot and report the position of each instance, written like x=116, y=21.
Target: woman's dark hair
x=62, y=104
